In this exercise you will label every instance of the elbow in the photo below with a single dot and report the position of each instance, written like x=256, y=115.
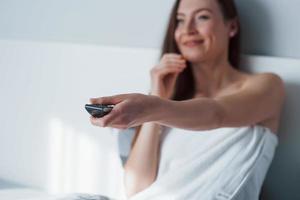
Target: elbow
x=136, y=182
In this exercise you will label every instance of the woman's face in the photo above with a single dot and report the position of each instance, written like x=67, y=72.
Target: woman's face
x=202, y=33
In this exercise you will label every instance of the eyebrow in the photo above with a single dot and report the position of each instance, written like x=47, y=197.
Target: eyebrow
x=196, y=11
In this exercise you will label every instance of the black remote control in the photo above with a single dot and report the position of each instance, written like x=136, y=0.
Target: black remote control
x=98, y=110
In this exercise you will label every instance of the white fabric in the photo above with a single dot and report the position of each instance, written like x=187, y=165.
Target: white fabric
x=34, y=194
x=25, y=194
x=219, y=164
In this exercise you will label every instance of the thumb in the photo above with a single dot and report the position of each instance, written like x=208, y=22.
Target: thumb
x=108, y=100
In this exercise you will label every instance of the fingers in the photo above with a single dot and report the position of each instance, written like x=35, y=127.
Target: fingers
x=112, y=100
x=116, y=118
x=102, y=122
x=96, y=121
x=108, y=121
x=175, y=62
x=160, y=72
x=169, y=66
x=173, y=55
x=173, y=59
x=103, y=100
x=170, y=69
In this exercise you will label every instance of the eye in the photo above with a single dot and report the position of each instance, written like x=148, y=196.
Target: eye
x=203, y=17
x=179, y=21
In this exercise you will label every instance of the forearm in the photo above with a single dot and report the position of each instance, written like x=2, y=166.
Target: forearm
x=195, y=114
x=142, y=164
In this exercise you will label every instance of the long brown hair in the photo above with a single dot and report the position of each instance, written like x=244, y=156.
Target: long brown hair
x=185, y=86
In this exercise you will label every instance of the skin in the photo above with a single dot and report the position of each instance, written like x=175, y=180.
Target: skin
x=225, y=97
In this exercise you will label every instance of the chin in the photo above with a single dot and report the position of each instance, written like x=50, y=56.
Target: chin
x=194, y=58
x=193, y=54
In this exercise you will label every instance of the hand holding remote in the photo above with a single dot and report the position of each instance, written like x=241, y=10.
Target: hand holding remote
x=98, y=110
x=129, y=110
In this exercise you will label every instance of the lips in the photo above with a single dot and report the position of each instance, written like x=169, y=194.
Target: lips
x=192, y=43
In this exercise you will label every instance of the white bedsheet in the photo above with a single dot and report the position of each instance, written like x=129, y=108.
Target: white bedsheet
x=24, y=194
x=31, y=194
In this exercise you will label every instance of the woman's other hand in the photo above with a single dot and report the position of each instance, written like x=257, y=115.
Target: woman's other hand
x=164, y=75
x=130, y=110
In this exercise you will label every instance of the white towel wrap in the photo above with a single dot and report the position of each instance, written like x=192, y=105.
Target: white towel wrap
x=218, y=164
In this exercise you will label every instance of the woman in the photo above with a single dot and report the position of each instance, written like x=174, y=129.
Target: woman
x=221, y=119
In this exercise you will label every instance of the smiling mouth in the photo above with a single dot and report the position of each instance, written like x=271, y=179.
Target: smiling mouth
x=193, y=43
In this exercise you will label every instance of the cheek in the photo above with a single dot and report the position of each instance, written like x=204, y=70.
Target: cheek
x=208, y=31
x=215, y=36
x=222, y=36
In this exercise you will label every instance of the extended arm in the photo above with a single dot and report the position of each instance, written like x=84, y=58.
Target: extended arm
x=258, y=100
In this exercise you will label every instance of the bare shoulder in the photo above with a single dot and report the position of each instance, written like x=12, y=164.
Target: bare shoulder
x=267, y=76
x=266, y=81
x=267, y=84
x=272, y=86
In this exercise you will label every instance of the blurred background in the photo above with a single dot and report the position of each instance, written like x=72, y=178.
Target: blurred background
x=55, y=55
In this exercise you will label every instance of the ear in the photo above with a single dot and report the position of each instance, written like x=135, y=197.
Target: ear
x=233, y=27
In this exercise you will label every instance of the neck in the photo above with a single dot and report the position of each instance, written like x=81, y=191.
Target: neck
x=211, y=76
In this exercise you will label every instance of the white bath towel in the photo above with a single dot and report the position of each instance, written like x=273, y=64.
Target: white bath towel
x=219, y=164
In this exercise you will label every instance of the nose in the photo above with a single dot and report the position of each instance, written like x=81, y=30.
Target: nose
x=190, y=28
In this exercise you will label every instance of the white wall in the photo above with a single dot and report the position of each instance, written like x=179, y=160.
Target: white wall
x=138, y=23
x=47, y=140
x=270, y=27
